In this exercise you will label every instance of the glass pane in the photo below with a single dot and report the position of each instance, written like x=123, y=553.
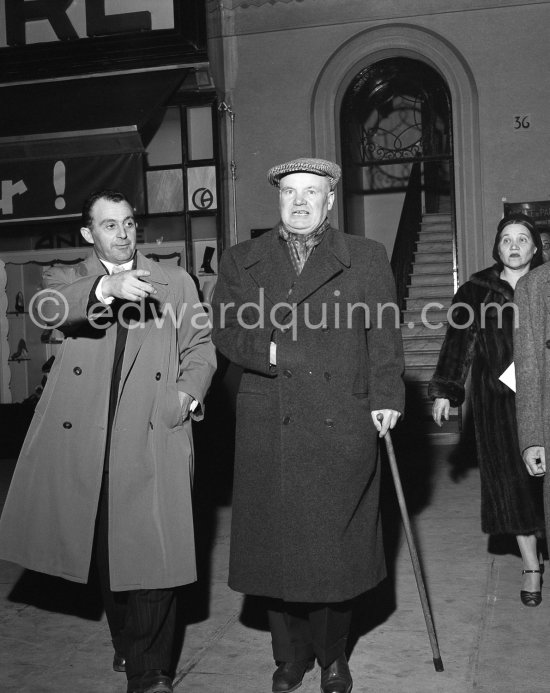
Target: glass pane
x=199, y=133
x=161, y=230
x=201, y=188
x=203, y=228
x=165, y=191
x=165, y=147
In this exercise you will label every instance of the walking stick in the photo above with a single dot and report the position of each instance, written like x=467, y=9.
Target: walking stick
x=438, y=664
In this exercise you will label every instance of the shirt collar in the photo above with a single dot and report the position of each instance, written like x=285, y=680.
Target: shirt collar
x=124, y=266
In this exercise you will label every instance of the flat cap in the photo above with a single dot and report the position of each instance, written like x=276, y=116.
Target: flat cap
x=320, y=167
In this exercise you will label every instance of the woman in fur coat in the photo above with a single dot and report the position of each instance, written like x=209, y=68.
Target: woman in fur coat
x=480, y=335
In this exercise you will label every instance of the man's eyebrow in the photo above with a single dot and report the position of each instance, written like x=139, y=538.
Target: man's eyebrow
x=109, y=220
x=309, y=187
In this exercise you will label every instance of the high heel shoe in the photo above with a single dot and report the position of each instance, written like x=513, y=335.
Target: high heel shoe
x=531, y=598
x=19, y=303
x=21, y=353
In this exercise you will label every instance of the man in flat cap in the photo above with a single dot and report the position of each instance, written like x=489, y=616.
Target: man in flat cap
x=300, y=311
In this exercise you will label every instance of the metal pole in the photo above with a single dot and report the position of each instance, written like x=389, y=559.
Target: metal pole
x=224, y=107
x=438, y=664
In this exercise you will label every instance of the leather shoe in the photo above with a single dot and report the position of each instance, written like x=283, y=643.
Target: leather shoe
x=336, y=678
x=151, y=681
x=119, y=663
x=288, y=675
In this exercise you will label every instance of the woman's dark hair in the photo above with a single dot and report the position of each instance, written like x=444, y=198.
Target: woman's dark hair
x=111, y=195
x=529, y=224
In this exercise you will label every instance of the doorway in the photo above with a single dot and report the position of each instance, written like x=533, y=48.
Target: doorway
x=397, y=156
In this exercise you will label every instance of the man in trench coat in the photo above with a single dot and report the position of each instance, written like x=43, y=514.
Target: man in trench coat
x=105, y=471
x=309, y=314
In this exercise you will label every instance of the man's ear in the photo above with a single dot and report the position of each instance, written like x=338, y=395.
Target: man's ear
x=330, y=199
x=87, y=234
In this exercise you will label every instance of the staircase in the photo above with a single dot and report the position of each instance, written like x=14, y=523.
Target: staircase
x=424, y=325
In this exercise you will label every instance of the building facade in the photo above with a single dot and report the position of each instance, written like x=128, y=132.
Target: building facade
x=284, y=69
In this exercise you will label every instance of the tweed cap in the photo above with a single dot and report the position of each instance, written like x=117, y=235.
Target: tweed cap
x=320, y=167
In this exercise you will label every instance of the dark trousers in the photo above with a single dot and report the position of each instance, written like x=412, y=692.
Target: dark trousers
x=304, y=631
x=141, y=622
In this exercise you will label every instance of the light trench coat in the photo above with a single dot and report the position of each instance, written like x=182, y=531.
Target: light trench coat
x=49, y=516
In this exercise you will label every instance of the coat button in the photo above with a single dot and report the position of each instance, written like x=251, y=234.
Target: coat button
x=77, y=370
x=157, y=376
x=287, y=373
x=286, y=420
x=67, y=424
x=329, y=423
x=548, y=343
x=328, y=376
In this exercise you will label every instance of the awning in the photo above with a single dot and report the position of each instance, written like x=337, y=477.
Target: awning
x=86, y=103
x=60, y=140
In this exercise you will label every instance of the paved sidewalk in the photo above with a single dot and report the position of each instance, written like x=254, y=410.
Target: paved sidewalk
x=53, y=636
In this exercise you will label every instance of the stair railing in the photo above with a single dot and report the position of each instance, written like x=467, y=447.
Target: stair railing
x=407, y=234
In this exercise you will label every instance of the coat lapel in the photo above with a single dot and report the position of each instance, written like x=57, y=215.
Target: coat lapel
x=270, y=267
x=137, y=335
x=328, y=259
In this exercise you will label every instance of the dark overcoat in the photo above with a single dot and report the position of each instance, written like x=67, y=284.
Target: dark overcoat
x=481, y=336
x=532, y=360
x=49, y=516
x=306, y=491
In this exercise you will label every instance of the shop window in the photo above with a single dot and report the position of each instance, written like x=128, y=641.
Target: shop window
x=165, y=191
x=182, y=179
x=199, y=133
x=165, y=147
x=201, y=188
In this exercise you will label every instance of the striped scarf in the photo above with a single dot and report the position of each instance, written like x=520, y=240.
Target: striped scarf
x=300, y=245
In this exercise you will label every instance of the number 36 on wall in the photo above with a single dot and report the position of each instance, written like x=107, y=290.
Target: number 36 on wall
x=522, y=122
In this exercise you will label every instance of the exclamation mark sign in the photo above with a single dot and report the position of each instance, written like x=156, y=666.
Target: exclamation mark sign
x=59, y=184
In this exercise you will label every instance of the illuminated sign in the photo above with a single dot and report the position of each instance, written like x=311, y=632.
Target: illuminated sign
x=26, y=22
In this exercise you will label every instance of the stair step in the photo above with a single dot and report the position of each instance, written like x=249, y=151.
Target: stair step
x=422, y=358
x=413, y=343
x=423, y=256
x=434, y=279
x=442, y=302
x=430, y=317
x=434, y=246
x=435, y=236
x=433, y=268
x=432, y=292
x=436, y=216
x=423, y=330
x=443, y=223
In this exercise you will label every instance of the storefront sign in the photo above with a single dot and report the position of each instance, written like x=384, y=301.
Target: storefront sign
x=538, y=211
x=43, y=189
x=42, y=21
